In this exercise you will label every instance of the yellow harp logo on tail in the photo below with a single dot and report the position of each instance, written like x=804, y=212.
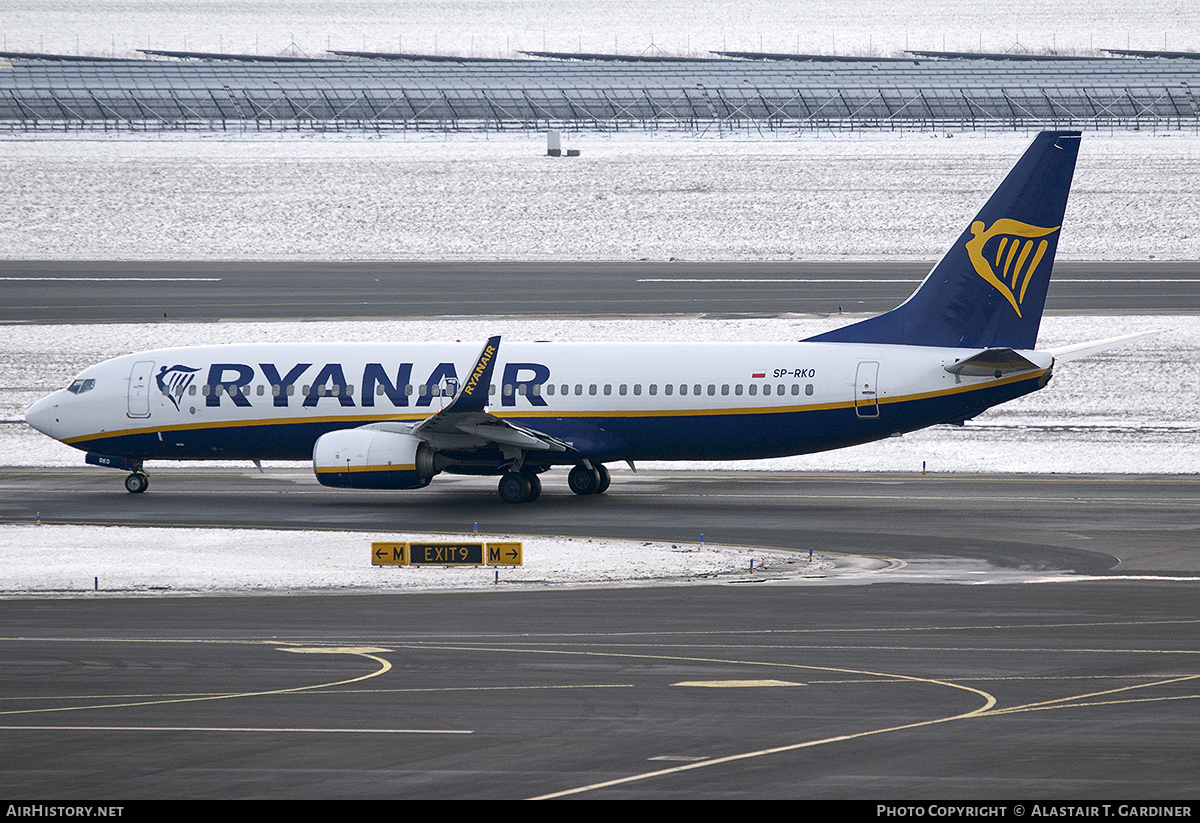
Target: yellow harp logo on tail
x=1009, y=262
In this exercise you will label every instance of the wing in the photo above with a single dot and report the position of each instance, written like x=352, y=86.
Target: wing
x=466, y=423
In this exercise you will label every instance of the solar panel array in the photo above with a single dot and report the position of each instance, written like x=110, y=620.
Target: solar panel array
x=521, y=94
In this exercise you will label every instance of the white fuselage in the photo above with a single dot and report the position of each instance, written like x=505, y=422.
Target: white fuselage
x=608, y=400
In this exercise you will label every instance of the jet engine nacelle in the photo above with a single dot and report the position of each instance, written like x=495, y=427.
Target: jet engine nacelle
x=373, y=459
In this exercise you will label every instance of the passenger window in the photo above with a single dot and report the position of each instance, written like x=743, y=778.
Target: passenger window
x=711, y=389
x=808, y=389
x=795, y=388
x=550, y=389
x=668, y=389
x=753, y=388
x=607, y=389
x=637, y=389
x=592, y=389
x=578, y=389
x=653, y=389
x=683, y=388
x=521, y=387
x=623, y=389
x=508, y=389
x=766, y=388
x=738, y=389
x=724, y=389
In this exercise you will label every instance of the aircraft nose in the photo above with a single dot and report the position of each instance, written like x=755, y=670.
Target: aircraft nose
x=41, y=415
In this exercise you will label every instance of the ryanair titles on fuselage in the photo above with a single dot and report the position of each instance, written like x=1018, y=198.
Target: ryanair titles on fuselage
x=232, y=381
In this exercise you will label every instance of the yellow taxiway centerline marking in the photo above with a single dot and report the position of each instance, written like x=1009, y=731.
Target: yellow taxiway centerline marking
x=384, y=667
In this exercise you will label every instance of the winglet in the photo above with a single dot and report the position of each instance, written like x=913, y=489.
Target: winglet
x=473, y=395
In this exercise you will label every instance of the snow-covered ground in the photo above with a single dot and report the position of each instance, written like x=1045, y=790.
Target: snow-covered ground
x=1133, y=409
x=100, y=561
x=629, y=196
x=71, y=560
x=679, y=27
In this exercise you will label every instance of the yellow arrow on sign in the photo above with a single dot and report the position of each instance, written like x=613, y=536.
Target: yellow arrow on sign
x=504, y=554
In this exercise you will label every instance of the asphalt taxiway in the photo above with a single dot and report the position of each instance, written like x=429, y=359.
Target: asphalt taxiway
x=1078, y=688
x=884, y=691
x=101, y=292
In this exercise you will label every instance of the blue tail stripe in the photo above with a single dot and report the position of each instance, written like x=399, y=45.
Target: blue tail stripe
x=990, y=288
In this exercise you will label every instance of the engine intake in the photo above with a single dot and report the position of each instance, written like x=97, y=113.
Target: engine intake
x=373, y=459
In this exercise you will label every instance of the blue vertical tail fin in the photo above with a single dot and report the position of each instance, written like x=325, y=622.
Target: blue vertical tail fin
x=990, y=288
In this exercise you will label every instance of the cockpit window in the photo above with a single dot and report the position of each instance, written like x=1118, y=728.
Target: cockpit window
x=81, y=385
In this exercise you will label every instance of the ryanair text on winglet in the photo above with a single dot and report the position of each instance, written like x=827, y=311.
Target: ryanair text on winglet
x=480, y=368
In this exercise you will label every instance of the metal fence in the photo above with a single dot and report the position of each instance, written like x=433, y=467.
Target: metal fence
x=37, y=95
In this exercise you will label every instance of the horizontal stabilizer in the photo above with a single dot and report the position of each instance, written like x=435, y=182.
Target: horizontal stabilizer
x=991, y=363
x=1081, y=350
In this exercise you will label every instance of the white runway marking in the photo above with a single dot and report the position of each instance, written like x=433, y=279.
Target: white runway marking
x=231, y=729
x=123, y=279
x=893, y=280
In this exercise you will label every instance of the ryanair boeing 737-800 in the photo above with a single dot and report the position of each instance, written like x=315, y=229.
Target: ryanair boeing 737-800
x=394, y=415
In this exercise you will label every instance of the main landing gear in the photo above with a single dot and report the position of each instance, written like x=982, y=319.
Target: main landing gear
x=137, y=482
x=589, y=479
x=520, y=487
x=525, y=486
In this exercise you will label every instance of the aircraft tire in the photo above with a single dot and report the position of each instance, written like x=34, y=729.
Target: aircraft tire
x=136, y=483
x=515, y=487
x=583, y=480
x=605, y=478
x=535, y=487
